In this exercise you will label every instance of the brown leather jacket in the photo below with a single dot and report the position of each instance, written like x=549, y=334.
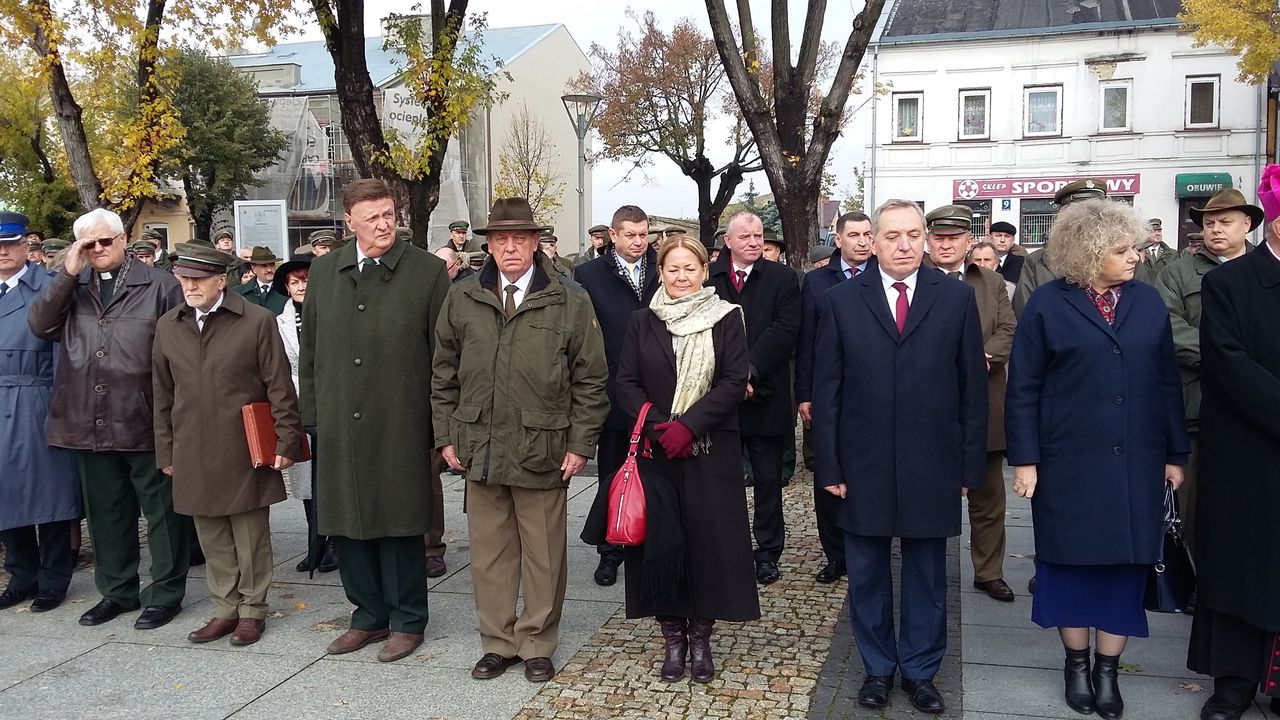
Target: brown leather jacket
x=102, y=388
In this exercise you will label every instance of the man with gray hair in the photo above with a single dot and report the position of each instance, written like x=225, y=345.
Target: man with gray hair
x=102, y=308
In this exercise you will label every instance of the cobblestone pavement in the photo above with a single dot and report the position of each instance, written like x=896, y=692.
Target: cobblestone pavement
x=766, y=669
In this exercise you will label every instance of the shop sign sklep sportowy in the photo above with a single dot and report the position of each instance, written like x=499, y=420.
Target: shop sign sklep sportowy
x=1046, y=187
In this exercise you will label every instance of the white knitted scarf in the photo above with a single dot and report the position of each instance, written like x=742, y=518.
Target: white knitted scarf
x=690, y=319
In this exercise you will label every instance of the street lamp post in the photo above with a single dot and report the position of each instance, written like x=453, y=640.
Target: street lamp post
x=582, y=110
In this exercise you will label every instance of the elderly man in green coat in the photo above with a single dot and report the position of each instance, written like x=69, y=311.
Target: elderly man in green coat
x=366, y=339
x=518, y=397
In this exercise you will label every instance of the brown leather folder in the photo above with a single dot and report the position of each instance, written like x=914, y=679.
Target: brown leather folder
x=260, y=431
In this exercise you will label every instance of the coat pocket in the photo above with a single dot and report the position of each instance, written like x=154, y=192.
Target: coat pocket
x=544, y=440
x=466, y=433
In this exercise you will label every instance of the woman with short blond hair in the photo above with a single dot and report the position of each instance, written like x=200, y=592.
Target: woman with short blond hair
x=1095, y=432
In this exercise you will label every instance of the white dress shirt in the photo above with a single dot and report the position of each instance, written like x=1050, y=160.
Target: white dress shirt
x=12, y=282
x=633, y=270
x=521, y=283
x=891, y=292
x=201, y=316
x=360, y=256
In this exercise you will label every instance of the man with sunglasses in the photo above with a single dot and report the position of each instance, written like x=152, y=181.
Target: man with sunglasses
x=103, y=307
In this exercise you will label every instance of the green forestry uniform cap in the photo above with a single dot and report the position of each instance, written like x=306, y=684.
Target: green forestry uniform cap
x=196, y=260
x=462, y=225
x=53, y=245
x=322, y=237
x=1083, y=189
x=949, y=220
x=601, y=230
x=143, y=248
x=152, y=236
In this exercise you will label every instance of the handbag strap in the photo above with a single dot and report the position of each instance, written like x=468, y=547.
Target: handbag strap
x=637, y=431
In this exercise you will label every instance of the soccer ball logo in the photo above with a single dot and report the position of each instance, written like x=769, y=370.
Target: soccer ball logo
x=967, y=189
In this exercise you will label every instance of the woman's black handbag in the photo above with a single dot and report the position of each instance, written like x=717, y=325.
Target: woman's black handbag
x=1172, y=580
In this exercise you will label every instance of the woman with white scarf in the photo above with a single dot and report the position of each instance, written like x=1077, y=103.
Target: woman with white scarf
x=291, y=281
x=687, y=354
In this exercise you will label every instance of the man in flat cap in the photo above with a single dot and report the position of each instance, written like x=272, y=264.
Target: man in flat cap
x=1035, y=271
x=819, y=256
x=549, y=244
x=1227, y=219
x=35, y=251
x=40, y=506
x=458, y=239
x=200, y=434
x=1008, y=261
x=102, y=308
x=263, y=262
x=521, y=423
x=949, y=240
x=156, y=240
x=599, y=237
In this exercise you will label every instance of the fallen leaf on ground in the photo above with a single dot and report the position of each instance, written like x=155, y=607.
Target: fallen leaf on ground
x=1193, y=687
x=300, y=606
x=276, y=615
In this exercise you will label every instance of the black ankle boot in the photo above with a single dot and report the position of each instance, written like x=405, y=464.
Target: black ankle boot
x=1079, y=692
x=702, y=667
x=1106, y=686
x=1230, y=699
x=328, y=556
x=675, y=634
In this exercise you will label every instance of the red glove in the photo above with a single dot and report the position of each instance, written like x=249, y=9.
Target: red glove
x=676, y=439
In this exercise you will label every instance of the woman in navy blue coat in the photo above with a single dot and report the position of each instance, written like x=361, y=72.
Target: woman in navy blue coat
x=1095, y=430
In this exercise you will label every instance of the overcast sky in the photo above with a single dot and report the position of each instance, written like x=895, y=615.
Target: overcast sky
x=665, y=191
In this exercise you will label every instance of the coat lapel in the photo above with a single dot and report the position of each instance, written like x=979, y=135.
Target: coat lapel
x=926, y=292
x=663, y=338
x=1267, y=264
x=872, y=292
x=1123, y=307
x=1077, y=299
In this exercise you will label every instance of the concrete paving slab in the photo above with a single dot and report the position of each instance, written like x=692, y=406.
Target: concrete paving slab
x=581, y=583
x=336, y=690
x=24, y=657
x=1039, y=648
x=119, y=681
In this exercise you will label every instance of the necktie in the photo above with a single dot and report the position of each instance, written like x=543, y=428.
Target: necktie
x=200, y=321
x=902, y=305
x=635, y=274
x=739, y=279
x=510, y=306
x=954, y=274
x=262, y=292
x=367, y=263
x=849, y=273
x=4, y=288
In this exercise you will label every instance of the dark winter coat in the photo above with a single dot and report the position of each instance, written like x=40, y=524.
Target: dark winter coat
x=272, y=301
x=202, y=380
x=1238, y=507
x=1098, y=410
x=719, y=566
x=38, y=484
x=615, y=301
x=1011, y=269
x=365, y=378
x=771, y=303
x=513, y=395
x=815, y=283
x=900, y=419
x=102, y=391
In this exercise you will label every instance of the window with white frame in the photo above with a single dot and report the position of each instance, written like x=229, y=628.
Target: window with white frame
x=1043, y=114
x=1116, y=106
x=908, y=110
x=975, y=109
x=1202, y=101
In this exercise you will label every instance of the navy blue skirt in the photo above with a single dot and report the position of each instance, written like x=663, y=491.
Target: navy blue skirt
x=1107, y=597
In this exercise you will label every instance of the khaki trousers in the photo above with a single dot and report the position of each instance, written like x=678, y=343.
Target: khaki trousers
x=986, y=521
x=518, y=541
x=237, y=552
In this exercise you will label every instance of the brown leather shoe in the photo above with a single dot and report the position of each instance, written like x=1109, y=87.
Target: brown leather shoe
x=399, y=645
x=353, y=639
x=436, y=567
x=539, y=669
x=492, y=665
x=212, y=630
x=248, y=631
x=997, y=589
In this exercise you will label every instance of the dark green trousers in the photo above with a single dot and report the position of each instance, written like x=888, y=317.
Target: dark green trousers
x=117, y=486
x=386, y=579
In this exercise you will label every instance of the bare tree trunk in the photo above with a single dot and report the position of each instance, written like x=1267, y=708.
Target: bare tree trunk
x=37, y=146
x=70, y=115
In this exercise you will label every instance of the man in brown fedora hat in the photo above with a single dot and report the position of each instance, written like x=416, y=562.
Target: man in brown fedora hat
x=1226, y=220
x=520, y=416
x=262, y=261
x=367, y=333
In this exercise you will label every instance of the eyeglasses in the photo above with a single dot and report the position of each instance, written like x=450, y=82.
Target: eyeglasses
x=104, y=242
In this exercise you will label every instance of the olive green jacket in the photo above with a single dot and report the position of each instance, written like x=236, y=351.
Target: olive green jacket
x=1179, y=285
x=364, y=376
x=513, y=395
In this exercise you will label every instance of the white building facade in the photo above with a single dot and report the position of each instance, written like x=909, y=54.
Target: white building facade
x=998, y=118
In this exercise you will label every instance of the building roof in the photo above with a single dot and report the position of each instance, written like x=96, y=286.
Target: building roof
x=316, y=65
x=934, y=20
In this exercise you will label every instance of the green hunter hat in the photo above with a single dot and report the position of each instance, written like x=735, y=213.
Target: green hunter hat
x=511, y=214
x=262, y=256
x=1229, y=199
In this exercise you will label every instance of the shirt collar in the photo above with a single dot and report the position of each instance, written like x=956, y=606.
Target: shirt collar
x=522, y=282
x=1274, y=254
x=360, y=256
x=212, y=310
x=13, y=281
x=910, y=280
x=746, y=268
x=845, y=267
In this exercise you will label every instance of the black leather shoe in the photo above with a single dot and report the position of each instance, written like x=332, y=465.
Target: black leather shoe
x=155, y=616
x=767, y=572
x=924, y=696
x=874, y=692
x=830, y=573
x=104, y=611
x=1031, y=585
x=539, y=669
x=12, y=596
x=607, y=571
x=1231, y=699
x=492, y=665
x=996, y=589
x=47, y=601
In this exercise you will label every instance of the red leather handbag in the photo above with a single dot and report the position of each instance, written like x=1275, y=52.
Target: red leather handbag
x=626, y=493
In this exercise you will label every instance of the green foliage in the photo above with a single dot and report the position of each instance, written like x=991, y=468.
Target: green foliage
x=50, y=207
x=771, y=218
x=1249, y=28
x=856, y=200
x=228, y=139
